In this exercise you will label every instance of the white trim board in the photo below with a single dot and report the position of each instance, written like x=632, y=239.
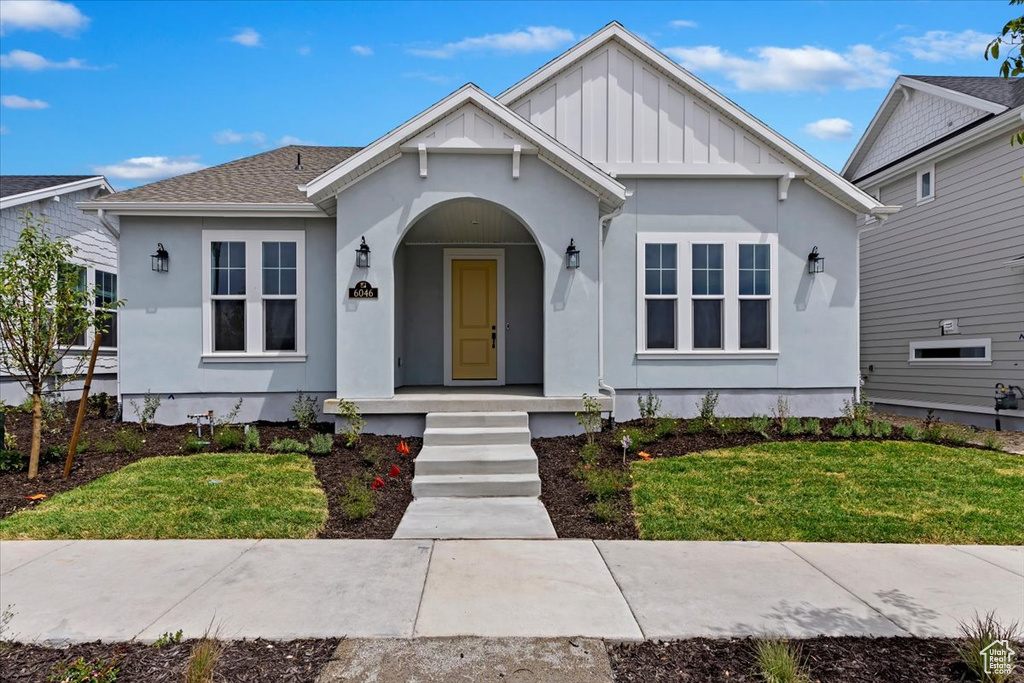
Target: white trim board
x=205, y=209
x=453, y=254
x=55, y=190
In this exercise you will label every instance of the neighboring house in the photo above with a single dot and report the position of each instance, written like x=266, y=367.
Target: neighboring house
x=942, y=282
x=690, y=222
x=53, y=199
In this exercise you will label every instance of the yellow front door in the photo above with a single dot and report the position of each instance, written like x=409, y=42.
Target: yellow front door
x=474, y=319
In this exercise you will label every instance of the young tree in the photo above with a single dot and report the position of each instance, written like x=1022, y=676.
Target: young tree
x=43, y=308
x=1010, y=44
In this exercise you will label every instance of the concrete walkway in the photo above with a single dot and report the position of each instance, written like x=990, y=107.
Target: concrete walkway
x=616, y=590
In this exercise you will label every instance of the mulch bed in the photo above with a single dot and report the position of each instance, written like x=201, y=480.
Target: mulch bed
x=297, y=661
x=830, y=660
x=372, y=457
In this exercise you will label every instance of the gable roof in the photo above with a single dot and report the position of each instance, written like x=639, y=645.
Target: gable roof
x=22, y=189
x=1008, y=92
x=819, y=175
x=323, y=188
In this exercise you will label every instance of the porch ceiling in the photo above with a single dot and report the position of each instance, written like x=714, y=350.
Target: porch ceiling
x=469, y=221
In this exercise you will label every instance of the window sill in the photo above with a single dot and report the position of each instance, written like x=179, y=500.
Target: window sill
x=925, y=200
x=254, y=358
x=709, y=355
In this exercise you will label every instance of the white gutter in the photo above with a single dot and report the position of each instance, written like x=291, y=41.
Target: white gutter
x=108, y=226
x=602, y=222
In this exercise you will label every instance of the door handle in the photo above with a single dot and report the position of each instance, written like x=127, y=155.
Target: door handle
x=494, y=337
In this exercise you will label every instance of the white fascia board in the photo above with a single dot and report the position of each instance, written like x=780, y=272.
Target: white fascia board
x=878, y=121
x=859, y=199
x=588, y=173
x=48, y=192
x=212, y=209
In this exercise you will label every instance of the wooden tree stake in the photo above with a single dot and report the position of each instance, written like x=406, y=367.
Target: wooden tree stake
x=82, y=406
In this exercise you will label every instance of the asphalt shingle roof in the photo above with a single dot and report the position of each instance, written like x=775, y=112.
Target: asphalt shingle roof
x=1008, y=92
x=270, y=177
x=19, y=184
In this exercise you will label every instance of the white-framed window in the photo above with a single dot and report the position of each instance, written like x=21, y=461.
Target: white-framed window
x=926, y=184
x=707, y=294
x=254, y=295
x=104, y=284
x=953, y=351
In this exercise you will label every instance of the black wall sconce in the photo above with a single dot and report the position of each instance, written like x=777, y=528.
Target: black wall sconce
x=160, y=260
x=572, y=255
x=363, y=255
x=815, y=262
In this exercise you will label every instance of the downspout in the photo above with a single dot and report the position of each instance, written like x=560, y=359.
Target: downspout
x=603, y=386
x=102, y=215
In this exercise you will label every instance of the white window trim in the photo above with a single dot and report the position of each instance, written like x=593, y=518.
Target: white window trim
x=684, y=308
x=924, y=199
x=254, y=296
x=90, y=285
x=949, y=344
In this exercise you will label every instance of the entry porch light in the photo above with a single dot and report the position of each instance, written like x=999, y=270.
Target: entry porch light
x=363, y=255
x=815, y=262
x=160, y=260
x=572, y=255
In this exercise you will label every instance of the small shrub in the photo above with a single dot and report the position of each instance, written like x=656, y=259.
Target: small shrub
x=354, y=422
x=100, y=403
x=13, y=461
x=842, y=430
x=707, y=406
x=649, y=406
x=357, y=503
x=665, y=427
x=912, y=432
x=106, y=446
x=305, y=410
x=52, y=453
x=731, y=425
x=590, y=453
x=10, y=442
x=637, y=438
x=781, y=411
x=232, y=415
x=860, y=428
x=605, y=511
x=758, y=424
x=252, y=439
x=84, y=670
x=812, y=426
x=792, y=426
x=696, y=426
x=168, y=638
x=779, y=661
x=228, y=438
x=321, y=444
x=603, y=482
x=191, y=443
x=147, y=411
x=977, y=635
x=371, y=456
x=202, y=661
x=128, y=440
x=857, y=410
x=881, y=429
x=958, y=436
x=288, y=446
x=992, y=442
x=932, y=432
x=590, y=417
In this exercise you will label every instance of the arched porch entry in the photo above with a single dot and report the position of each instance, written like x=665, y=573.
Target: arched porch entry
x=469, y=299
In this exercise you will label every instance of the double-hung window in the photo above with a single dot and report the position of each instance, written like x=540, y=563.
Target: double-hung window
x=104, y=286
x=254, y=295
x=707, y=294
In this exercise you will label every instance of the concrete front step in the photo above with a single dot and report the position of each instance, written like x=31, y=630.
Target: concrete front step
x=476, y=436
x=506, y=419
x=475, y=485
x=476, y=460
x=476, y=518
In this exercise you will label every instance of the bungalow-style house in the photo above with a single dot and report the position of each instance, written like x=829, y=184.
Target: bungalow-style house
x=52, y=198
x=607, y=226
x=942, y=282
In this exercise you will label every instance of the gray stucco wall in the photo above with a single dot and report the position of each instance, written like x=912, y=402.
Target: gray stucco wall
x=817, y=314
x=420, y=314
x=162, y=327
x=551, y=206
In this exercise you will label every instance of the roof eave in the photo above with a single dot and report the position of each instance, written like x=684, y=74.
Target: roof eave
x=213, y=209
x=54, y=190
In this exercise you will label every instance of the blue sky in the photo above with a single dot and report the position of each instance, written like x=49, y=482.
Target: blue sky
x=144, y=90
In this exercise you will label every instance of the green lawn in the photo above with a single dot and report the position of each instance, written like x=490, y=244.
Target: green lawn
x=261, y=496
x=891, y=492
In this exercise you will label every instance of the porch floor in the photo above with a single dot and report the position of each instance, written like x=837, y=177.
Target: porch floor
x=528, y=398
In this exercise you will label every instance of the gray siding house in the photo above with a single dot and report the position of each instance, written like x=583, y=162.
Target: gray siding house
x=609, y=225
x=53, y=198
x=942, y=282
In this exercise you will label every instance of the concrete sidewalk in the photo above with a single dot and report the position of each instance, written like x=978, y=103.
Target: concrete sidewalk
x=616, y=590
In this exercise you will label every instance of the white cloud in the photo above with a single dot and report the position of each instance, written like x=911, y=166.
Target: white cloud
x=292, y=140
x=19, y=102
x=946, y=46
x=531, y=39
x=830, y=129
x=362, y=50
x=230, y=137
x=30, y=61
x=150, y=168
x=429, y=78
x=247, y=37
x=304, y=50
x=792, y=69
x=41, y=15
x=683, y=23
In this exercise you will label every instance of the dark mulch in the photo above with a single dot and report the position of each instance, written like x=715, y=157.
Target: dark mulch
x=830, y=660
x=296, y=661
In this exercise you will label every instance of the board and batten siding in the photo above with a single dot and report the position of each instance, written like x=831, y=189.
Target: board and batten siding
x=614, y=108
x=947, y=259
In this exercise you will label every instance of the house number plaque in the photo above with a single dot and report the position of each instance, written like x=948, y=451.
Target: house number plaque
x=362, y=290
